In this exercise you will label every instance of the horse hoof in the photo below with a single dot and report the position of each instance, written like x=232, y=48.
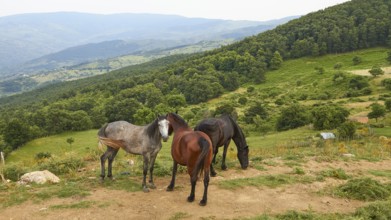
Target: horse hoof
x=224, y=167
x=190, y=198
x=152, y=186
x=145, y=189
x=202, y=203
x=213, y=174
x=169, y=189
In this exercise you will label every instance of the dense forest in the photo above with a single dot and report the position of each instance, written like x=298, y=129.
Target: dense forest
x=139, y=93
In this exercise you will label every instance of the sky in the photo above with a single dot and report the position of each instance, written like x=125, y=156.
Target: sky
x=255, y=10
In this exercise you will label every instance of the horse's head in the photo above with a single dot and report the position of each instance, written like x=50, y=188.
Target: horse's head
x=243, y=157
x=163, y=127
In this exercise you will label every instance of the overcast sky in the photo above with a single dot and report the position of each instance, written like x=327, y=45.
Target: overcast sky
x=257, y=10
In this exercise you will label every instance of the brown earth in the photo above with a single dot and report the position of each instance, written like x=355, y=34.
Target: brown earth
x=222, y=203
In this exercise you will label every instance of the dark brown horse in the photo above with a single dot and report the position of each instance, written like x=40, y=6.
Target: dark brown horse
x=221, y=131
x=192, y=149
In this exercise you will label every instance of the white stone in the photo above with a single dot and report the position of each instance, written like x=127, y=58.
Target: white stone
x=39, y=177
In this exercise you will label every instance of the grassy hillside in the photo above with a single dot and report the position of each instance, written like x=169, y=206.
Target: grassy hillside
x=295, y=152
x=280, y=84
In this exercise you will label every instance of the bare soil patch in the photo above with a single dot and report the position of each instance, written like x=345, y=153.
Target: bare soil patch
x=222, y=203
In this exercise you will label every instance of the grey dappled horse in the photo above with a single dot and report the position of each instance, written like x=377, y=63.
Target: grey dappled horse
x=140, y=140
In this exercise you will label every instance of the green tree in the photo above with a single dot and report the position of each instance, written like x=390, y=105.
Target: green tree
x=291, y=117
x=143, y=116
x=377, y=111
x=376, y=70
x=16, y=133
x=225, y=109
x=276, y=61
x=254, y=110
x=176, y=101
x=328, y=116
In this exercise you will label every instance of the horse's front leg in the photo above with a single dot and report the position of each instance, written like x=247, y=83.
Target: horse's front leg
x=215, y=151
x=151, y=167
x=172, y=183
x=145, y=171
x=223, y=165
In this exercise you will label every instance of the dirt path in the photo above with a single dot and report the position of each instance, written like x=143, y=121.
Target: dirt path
x=222, y=203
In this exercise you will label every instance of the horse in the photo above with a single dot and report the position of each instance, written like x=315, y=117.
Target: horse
x=140, y=140
x=192, y=149
x=221, y=130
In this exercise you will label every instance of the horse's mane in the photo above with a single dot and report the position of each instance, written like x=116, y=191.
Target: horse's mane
x=238, y=134
x=152, y=129
x=179, y=119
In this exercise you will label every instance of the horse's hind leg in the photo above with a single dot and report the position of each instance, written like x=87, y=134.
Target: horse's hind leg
x=112, y=154
x=103, y=159
x=206, y=184
x=192, y=192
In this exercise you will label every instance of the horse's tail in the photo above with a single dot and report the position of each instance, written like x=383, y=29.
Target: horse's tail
x=104, y=140
x=199, y=167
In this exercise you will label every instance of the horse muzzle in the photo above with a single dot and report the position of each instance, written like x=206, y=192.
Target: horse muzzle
x=165, y=138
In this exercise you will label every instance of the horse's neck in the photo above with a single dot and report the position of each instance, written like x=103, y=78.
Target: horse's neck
x=152, y=130
x=238, y=136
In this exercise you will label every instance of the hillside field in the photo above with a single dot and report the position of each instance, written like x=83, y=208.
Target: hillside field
x=292, y=174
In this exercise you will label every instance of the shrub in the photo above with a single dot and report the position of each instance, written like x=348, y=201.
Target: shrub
x=61, y=166
x=43, y=155
x=346, y=130
x=14, y=171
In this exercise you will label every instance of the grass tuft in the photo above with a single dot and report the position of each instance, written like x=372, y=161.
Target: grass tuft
x=365, y=189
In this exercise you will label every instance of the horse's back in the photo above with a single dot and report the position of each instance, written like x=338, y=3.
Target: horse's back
x=219, y=130
x=120, y=130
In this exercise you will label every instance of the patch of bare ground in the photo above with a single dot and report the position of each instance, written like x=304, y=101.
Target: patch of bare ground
x=365, y=72
x=222, y=203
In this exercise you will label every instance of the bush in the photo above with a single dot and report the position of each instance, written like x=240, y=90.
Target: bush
x=43, y=155
x=14, y=171
x=61, y=166
x=346, y=130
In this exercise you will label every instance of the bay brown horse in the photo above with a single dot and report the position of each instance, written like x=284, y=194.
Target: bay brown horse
x=192, y=149
x=220, y=131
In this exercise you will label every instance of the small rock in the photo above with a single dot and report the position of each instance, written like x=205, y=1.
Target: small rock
x=39, y=177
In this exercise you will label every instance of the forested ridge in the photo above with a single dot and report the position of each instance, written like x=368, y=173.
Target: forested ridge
x=140, y=92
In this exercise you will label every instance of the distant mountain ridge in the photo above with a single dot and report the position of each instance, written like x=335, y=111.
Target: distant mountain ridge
x=29, y=36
